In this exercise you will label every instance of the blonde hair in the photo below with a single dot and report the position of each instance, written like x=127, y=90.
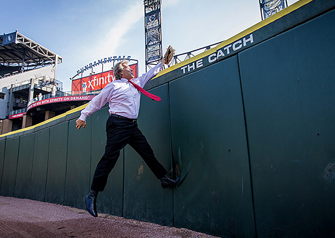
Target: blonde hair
x=118, y=67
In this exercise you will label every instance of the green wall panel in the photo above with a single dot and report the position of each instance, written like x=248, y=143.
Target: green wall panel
x=209, y=146
x=57, y=163
x=40, y=165
x=288, y=87
x=78, y=164
x=144, y=198
x=110, y=201
x=9, y=167
x=24, y=166
x=2, y=157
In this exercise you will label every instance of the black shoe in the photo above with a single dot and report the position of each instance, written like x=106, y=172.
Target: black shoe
x=169, y=182
x=90, y=201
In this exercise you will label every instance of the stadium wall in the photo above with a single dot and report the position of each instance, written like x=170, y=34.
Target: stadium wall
x=251, y=133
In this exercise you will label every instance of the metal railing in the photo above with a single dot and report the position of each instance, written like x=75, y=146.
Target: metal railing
x=184, y=56
x=22, y=110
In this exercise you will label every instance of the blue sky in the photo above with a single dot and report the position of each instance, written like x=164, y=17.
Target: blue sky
x=84, y=31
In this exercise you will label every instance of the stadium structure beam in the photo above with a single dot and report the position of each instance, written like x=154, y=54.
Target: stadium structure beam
x=36, y=48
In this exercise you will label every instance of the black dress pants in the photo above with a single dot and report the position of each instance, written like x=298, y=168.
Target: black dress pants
x=120, y=132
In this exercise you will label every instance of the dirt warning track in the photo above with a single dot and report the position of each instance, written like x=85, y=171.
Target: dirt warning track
x=28, y=218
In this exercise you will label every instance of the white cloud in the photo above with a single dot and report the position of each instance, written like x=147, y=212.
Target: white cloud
x=120, y=27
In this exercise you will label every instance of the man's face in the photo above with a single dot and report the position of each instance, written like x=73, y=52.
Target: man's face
x=127, y=72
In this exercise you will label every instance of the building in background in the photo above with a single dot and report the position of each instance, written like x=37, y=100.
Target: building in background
x=29, y=90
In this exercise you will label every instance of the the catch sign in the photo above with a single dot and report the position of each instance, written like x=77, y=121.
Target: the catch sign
x=96, y=81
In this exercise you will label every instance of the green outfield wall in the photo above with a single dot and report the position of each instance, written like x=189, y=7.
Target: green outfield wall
x=249, y=126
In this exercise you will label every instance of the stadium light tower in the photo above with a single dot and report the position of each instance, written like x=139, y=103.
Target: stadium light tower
x=153, y=32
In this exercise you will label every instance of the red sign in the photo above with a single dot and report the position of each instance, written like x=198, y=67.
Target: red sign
x=96, y=81
x=61, y=99
x=17, y=115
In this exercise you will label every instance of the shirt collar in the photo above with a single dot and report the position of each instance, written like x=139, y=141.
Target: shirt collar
x=123, y=80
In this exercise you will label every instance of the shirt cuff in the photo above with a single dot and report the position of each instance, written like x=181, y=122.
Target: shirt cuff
x=83, y=117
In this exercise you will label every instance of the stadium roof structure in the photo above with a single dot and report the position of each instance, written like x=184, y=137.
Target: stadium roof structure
x=17, y=49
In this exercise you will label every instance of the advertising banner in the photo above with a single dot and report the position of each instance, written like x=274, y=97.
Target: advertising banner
x=17, y=115
x=96, y=81
x=60, y=99
x=270, y=7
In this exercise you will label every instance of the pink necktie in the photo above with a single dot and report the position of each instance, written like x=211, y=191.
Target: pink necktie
x=146, y=93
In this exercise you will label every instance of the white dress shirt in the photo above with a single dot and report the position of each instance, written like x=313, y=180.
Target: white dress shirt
x=123, y=97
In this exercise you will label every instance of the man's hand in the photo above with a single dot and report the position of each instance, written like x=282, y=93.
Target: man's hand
x=80, y=123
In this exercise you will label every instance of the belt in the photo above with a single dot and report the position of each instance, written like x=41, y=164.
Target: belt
x=124, y=118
